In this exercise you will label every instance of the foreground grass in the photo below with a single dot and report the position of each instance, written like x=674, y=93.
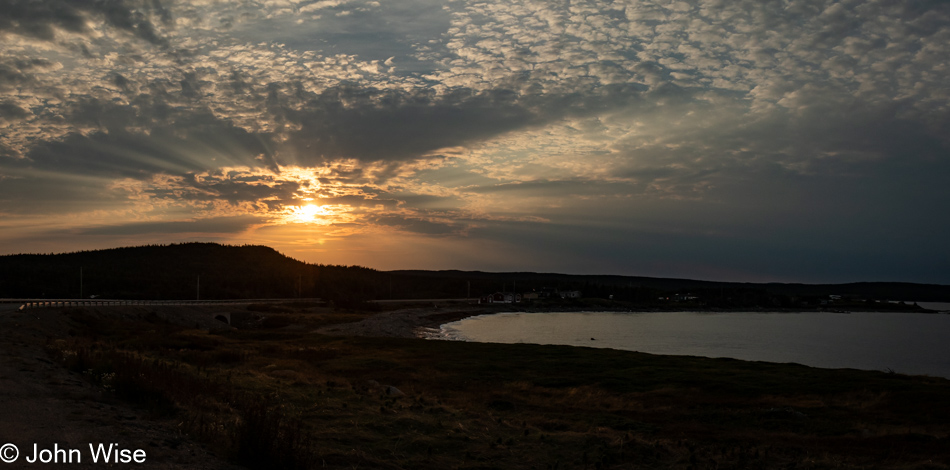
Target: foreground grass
x=278, y=396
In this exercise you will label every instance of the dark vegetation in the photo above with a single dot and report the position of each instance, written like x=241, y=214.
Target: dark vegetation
x=274, y=395
x=236, y=272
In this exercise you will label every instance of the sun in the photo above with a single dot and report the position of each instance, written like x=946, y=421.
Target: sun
x=308, y=213
x=317, y=214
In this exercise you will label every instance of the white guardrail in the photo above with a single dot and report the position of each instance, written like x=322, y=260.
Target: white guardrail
x=52, y=303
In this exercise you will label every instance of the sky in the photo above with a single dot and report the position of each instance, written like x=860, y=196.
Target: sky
x=741, y=140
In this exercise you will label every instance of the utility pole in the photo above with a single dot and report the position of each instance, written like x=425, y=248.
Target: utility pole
x=198, y=291
x=80, y=282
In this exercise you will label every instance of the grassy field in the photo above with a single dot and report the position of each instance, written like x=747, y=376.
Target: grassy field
x=276, y=395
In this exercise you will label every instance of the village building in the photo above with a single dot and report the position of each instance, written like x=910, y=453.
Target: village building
x=500, y=298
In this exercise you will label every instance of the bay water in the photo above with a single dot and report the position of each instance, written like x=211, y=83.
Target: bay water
x=908, y=343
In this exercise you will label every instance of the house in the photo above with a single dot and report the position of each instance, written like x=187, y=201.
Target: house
x=548, y=292
x=500, y=298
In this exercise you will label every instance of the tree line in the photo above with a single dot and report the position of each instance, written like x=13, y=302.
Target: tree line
x=214, y=271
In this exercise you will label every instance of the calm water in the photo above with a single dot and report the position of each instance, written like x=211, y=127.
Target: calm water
x=938, y=306
x=908, y=343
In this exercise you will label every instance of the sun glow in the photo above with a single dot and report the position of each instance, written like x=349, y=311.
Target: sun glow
x=309, y=213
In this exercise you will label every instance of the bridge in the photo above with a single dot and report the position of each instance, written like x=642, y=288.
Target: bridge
x=29, y=304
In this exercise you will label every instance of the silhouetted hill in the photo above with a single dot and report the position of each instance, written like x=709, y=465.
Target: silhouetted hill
x=530, y=280
x=154, y=272
x=176, y=271
x=213, y=271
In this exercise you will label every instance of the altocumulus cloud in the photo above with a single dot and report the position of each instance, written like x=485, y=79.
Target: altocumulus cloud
x=786, y=140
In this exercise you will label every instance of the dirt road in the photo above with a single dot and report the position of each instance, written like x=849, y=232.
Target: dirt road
x=43, y=404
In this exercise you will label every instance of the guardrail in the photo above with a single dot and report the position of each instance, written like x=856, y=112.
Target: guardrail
x=53, y=303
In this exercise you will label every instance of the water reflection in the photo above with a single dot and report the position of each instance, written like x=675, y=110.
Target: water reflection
x=908, y=343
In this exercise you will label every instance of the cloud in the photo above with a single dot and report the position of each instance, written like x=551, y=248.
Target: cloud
x=272, y=195
x=218, y=225
x=52, y=195
x=192, y=143
x=422, y=226
x=11, y=112
x=45, y=20
x=373, y=125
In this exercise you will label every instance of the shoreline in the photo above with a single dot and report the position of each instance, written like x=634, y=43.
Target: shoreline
x=407, y=322
x=428, y=324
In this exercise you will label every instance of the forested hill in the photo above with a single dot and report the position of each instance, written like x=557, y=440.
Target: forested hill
x=181, y=271
x=213, y=271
